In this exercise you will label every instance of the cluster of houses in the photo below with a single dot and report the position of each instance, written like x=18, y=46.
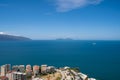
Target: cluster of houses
x=22, y=72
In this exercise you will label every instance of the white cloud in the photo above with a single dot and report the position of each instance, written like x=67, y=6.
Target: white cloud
x=67, y=5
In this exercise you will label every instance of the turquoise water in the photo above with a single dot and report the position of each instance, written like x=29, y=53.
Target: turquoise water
x=99, y=59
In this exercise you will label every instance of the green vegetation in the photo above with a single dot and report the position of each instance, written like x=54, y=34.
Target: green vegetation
x=76, y=69
x=29, y=77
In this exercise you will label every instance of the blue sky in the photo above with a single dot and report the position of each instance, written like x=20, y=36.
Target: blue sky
x=51, y=19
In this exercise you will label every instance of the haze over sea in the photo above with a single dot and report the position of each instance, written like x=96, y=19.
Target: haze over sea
x=99, y=59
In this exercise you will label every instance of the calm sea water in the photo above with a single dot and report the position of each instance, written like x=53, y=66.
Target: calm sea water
x=99, y=59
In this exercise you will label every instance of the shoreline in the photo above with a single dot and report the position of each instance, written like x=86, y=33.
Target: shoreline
x=41, y=72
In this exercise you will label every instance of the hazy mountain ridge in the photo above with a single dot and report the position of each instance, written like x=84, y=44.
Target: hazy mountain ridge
x=65, y=39
x=6, y=37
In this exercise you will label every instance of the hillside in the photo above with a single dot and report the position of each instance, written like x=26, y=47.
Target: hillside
x=6, y=37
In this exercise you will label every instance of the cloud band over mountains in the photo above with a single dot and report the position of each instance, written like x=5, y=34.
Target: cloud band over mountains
x=68, y=5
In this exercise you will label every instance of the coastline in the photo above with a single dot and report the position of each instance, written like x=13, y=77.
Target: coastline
x=41, y=72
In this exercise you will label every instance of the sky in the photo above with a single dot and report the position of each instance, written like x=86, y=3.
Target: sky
x=51, y=19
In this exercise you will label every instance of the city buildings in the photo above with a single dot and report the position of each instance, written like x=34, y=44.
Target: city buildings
x=20, y=68
x=3, y=70
x=9, y=75
x=8, y=67
x=43, y=69
x=43, y=72
x=36, y=70
x=50, y=69
x=18, y=76
x=15, y=68
x=28, y=70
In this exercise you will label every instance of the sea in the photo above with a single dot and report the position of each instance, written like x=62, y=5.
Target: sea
x=99, y=59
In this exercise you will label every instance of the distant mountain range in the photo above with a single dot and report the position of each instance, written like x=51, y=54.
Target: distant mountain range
x=6, y=37
x=66, y=39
